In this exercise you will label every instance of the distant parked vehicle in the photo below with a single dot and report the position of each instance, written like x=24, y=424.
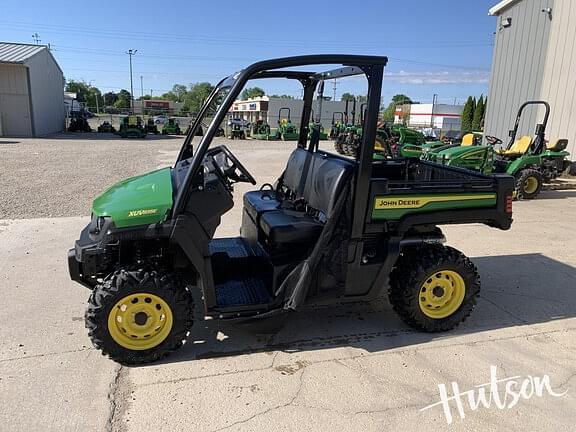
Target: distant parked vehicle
x=239, y=122
x=161, y=119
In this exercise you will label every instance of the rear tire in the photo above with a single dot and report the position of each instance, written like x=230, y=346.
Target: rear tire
x=528, y=184
x=424, y=287
x=115, y=300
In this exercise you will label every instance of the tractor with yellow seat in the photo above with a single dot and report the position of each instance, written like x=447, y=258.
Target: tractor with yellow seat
x=531, y=160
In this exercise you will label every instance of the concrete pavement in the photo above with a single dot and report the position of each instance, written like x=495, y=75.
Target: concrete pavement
x=345, y=368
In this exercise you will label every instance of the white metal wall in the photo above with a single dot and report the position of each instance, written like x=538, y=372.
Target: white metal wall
x=47, y=90
x=534, y=58
x=14, y=101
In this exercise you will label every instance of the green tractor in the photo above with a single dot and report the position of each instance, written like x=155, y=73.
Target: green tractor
x=530, y=160
x=131, y=127
x=315, y=123
x=106, y=127
x=286, y=129
x=261, y=131
x=171, y=127
x=151, y=127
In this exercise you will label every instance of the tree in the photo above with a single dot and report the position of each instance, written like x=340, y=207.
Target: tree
x=81, y=89
x=478, y=115
x=347, y=97
x=179, y=90
x=171, y=96
x=110, y=98
x=123, y=100
x=399, y=99
x=194, y=98
x=467, y=115
x=251, y=93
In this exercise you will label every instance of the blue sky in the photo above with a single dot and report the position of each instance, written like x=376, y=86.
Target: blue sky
x=442, y=46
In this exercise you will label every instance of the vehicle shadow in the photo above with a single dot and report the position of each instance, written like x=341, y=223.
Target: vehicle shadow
x=557, y=194
x=9, y=142
x=517, y=290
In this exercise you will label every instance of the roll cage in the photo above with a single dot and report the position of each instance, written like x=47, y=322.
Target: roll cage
x=350, y=65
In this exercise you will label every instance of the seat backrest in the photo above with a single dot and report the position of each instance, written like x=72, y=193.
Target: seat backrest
x=325, y=182
x=558, y=145
x=520, y=145
x=468, y=139
x=297, y=163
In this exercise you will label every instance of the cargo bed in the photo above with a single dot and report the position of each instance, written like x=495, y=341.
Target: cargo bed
x=409, y=192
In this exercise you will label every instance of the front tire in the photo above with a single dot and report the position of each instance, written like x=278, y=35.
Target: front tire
x=433, y=288
x=528, y=184
x=138, y=317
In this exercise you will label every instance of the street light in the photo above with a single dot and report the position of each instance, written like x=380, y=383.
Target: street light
x=130, y=53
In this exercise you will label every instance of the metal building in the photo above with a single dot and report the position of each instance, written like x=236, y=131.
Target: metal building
x=534, y=58
x=31, y=91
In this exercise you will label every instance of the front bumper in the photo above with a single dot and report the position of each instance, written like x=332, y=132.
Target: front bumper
x=75, y=269
x=86, y=258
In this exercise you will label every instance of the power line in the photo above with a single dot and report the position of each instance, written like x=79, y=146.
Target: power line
x=147, y=36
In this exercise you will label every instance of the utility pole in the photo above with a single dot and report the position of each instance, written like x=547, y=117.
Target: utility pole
x=141, y=87
x=432, y=113
x=130, y=53
x=334, y=90
x=96, y=97
x=36, y=38
x=151, y=93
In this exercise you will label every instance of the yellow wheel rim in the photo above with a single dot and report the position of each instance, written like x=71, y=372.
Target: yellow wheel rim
x=442, y=294
x=530, y=185
x=140, y=321
x=378, y=146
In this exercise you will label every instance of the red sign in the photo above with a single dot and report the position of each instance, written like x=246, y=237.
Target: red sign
x=156, y=104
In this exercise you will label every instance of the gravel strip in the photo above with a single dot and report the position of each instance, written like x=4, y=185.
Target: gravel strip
x=60, y=176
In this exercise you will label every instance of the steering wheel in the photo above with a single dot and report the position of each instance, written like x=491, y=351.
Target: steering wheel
x=492, y=140
x=231, y=166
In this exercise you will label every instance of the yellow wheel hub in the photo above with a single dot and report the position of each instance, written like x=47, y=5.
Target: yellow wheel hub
x=442, y=294
x=530, y=185
x=140, y=321
x=378, y=146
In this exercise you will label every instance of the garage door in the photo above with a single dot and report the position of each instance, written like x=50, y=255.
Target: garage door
x=15, y=115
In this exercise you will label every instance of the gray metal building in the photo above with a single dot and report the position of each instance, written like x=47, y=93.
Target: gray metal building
x=534, y=58
x=31, y=91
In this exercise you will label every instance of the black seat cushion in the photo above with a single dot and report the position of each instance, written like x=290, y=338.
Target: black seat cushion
x=289, y=226
x=260, y=201
x=326, y=182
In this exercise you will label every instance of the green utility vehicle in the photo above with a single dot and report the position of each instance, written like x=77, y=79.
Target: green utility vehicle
x=171, y=127
x=330, y=230
x=286, y=129
x=131, y=127
x=531, y=161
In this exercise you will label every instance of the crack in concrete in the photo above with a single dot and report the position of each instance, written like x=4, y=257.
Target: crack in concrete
x=45, y=354
x=112, y=399
x=268, y=410
x=523, y=321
